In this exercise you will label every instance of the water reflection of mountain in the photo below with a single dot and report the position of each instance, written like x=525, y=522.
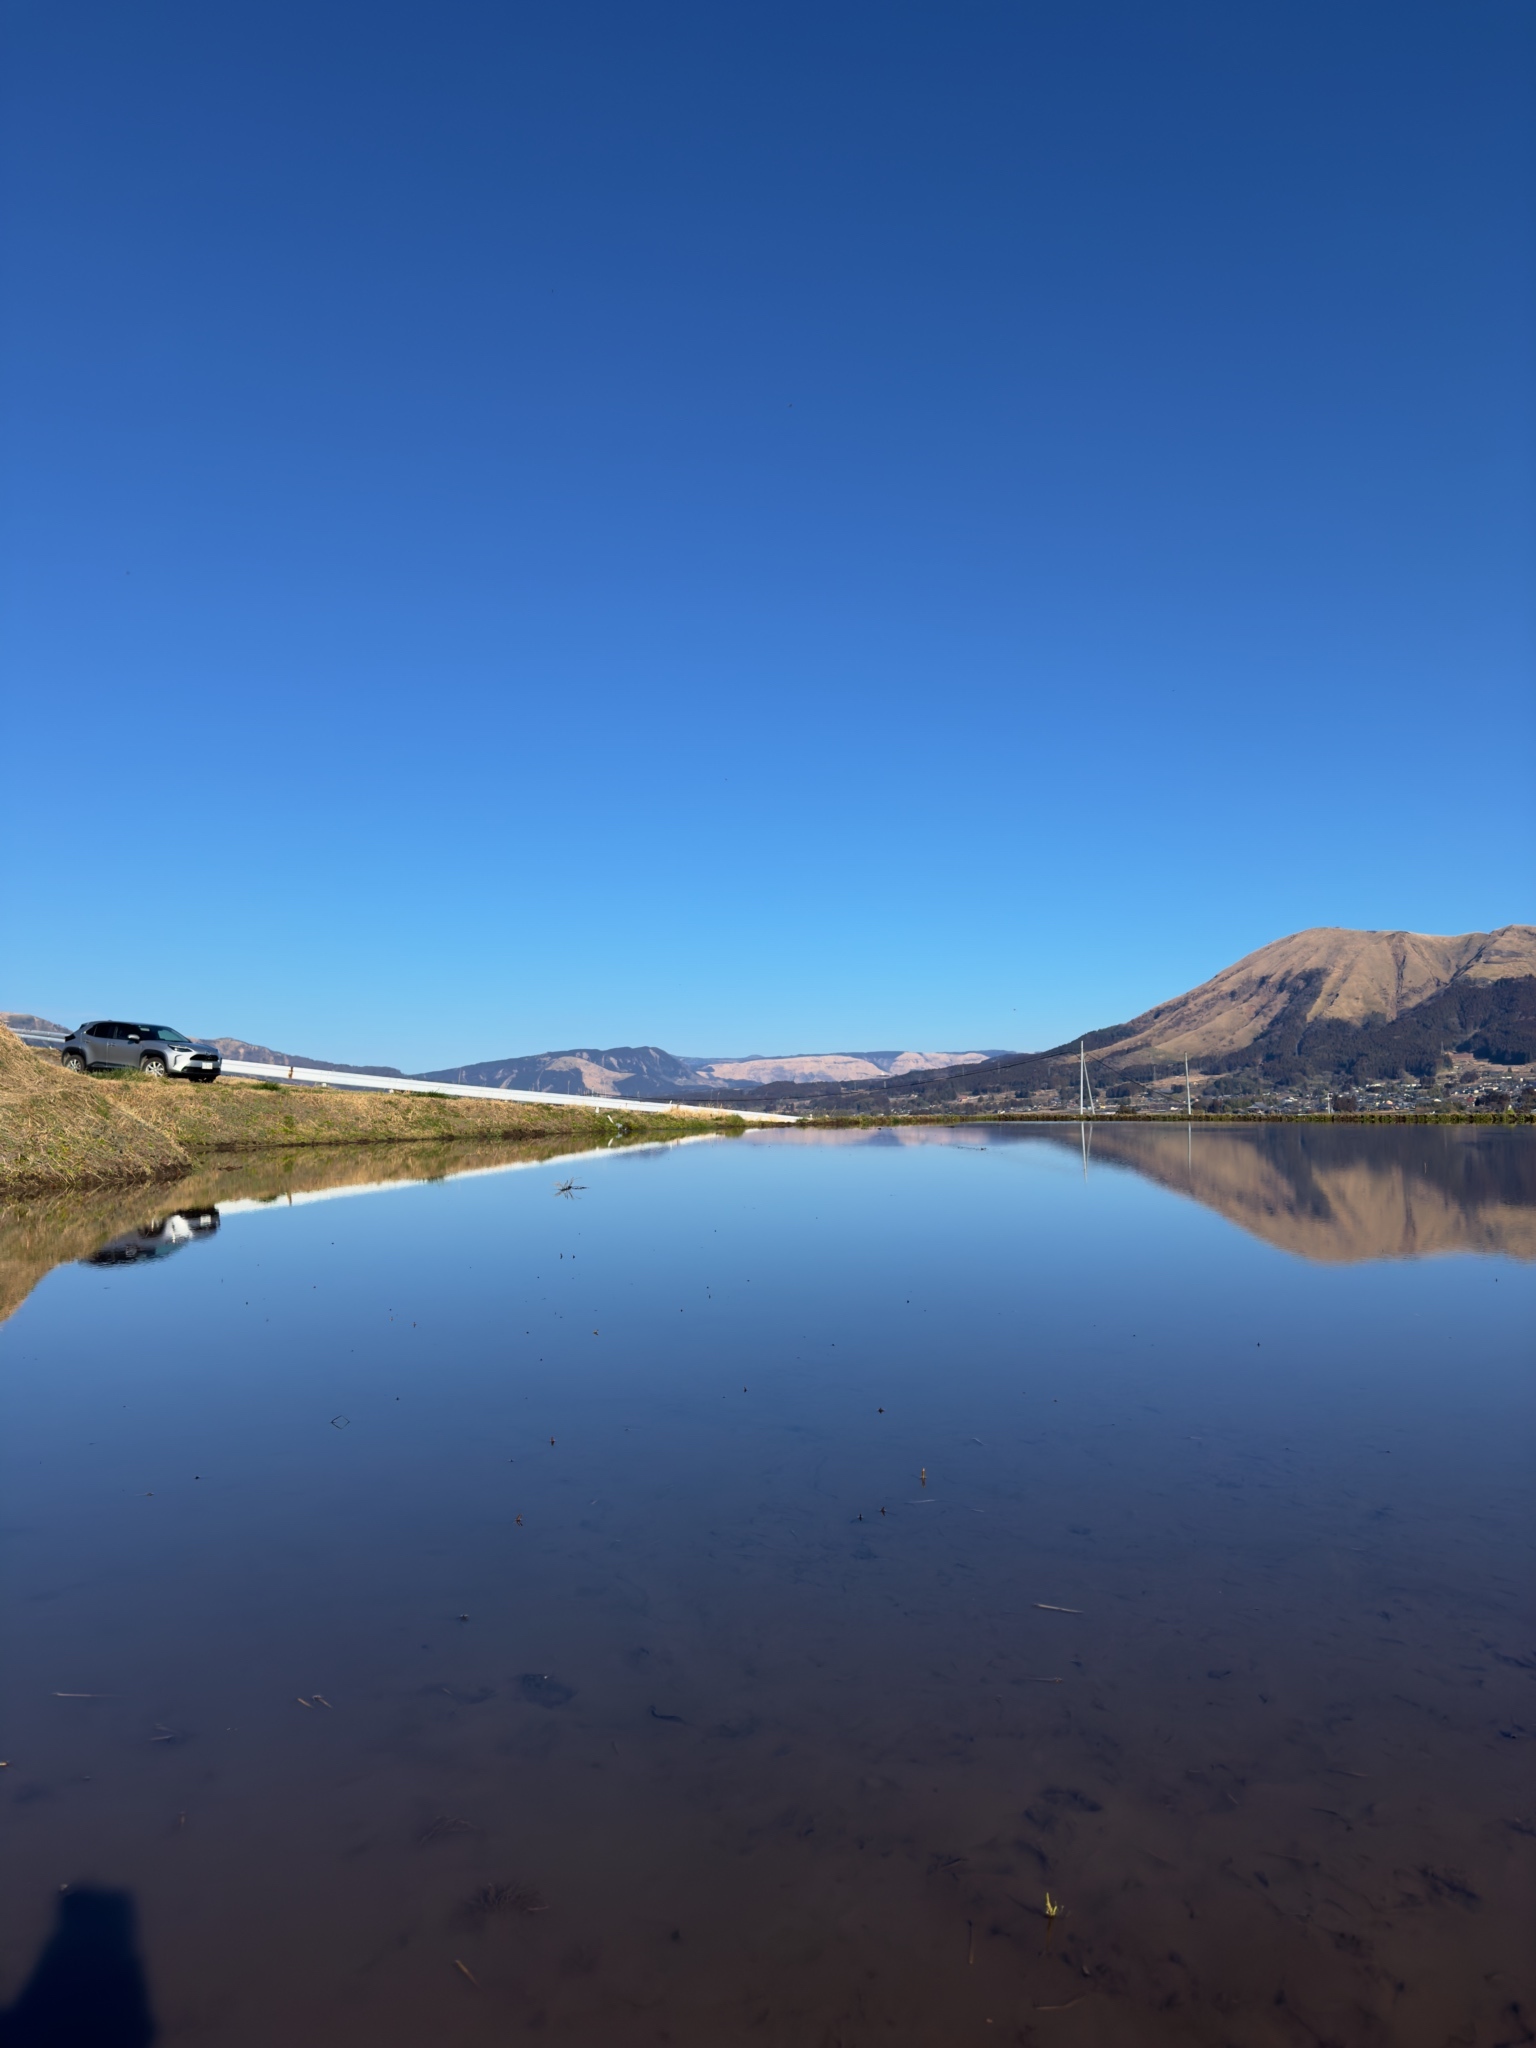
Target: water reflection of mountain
x=1344, y=1192
x=1336, y=1193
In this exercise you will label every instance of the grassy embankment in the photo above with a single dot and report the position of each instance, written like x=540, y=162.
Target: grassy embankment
x=63, y=1130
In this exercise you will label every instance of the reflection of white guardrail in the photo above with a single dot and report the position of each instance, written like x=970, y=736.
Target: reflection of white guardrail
x=297, y=1198
x=389, y=1084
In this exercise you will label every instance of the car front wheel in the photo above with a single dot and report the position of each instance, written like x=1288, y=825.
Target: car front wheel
x=154, y=1066
x=75, y=1061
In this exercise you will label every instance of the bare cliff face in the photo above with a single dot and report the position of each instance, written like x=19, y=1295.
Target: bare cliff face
x=1337, y=976
x=830, y=1066
x=641, y=1070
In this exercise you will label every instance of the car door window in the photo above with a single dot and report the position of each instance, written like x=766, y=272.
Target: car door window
x=122, y=1054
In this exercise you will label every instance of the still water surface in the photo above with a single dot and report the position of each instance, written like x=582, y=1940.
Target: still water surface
x=719, y=1605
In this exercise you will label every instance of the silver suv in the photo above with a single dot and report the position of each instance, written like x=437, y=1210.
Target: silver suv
x=152, y=1048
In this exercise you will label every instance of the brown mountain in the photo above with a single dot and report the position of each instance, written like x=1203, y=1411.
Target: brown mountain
x=1326, y=975
x=1323, y=1005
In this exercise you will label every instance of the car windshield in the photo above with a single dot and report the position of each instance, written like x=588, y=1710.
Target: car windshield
x=161, y=1031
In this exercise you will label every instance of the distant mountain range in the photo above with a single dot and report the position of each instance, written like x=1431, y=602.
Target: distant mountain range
x=637, y=1071
x=1326, y=1005
x=645, y=1070
x=24, y=1020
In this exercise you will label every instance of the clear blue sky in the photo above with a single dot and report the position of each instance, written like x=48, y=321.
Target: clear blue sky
x=754, y=527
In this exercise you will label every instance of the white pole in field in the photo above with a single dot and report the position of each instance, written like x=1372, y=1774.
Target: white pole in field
x=1189, y=1100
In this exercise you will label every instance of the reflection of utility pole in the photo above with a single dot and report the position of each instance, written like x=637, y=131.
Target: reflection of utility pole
x=1189, y=1100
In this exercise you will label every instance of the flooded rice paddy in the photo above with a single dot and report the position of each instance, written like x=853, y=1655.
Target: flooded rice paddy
x=814, y=1588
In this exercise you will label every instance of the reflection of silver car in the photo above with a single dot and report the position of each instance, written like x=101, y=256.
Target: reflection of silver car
x=158, y=1238
x=153, y=1048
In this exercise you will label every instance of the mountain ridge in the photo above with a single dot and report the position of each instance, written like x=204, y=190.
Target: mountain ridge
x=628, y=1070
x=1327, y=1001
x=624, y=1070
x=1324, y=1003
x=1356, y=977
x=265, y=1055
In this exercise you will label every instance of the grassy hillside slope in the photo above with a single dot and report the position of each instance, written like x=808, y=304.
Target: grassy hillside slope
x=59, y=1129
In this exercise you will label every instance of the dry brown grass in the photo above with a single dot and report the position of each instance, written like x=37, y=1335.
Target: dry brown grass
x=63, y=1130
x=58, y=1129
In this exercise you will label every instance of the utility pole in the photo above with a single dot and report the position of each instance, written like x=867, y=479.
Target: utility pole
x=1189, y=1100
x=1085, y=1101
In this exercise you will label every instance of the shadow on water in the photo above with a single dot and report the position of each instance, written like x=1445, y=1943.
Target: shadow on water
x=87, y=1989
x=799, y=1591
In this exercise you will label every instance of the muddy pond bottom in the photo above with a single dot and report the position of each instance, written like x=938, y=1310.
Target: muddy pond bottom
x=814, y=1588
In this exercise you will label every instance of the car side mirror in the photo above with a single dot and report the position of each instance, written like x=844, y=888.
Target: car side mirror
x=133, y=1038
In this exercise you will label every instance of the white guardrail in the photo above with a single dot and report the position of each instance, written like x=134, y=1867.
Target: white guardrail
x=309, y=1077
x=389, y=1084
